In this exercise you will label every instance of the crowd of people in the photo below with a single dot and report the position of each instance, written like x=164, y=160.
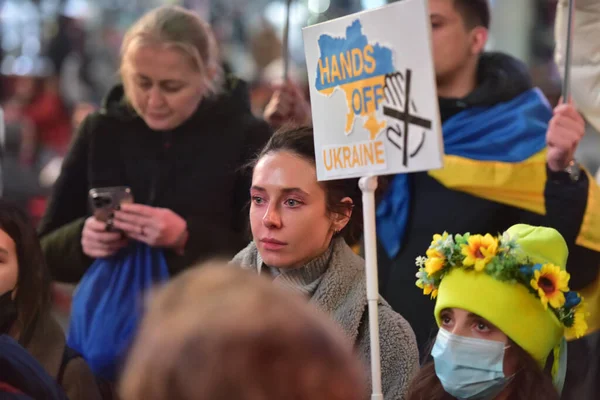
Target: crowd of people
x=223, y=269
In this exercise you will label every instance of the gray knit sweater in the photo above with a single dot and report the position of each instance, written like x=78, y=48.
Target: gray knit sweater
x=339, y=289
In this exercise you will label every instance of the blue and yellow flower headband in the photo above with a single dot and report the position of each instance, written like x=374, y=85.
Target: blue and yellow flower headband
x=501, y=258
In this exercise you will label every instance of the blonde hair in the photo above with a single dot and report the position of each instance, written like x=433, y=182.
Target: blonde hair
x=219, y=332
x=176, y=27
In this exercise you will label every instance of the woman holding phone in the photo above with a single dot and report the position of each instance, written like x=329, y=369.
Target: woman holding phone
x=175, y=132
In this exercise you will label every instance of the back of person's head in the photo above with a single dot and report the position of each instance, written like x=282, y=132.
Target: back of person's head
x=22, y=251
x=474, y=12
x=176, y=27
x=300, y=141
x=218, y=332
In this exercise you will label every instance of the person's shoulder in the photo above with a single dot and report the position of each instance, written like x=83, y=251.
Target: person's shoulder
x=246, y=258
x=232, y=98
x=345, y=255
x=96, y=117
x=79, y=381
x=113, y=112
x=398, y=342
x=98, y=121
x=396, y=325
x=502, y=78
x=398, y=350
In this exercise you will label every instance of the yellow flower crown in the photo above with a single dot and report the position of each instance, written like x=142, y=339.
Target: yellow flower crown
x=501, y=258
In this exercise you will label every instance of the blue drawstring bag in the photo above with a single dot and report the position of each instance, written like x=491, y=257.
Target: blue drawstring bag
x=107, y=305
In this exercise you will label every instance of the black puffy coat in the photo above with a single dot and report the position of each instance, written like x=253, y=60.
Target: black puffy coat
x=194, y=170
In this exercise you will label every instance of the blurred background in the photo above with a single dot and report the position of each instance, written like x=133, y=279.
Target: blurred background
x=59, y=57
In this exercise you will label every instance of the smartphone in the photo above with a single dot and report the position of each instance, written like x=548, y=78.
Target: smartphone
x=104, y=201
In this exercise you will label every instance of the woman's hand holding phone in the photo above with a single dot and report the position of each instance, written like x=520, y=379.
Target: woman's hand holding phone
x=157, y=227
x=97, y=242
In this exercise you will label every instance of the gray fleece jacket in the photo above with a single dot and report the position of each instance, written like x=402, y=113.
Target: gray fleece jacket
x=341, y=292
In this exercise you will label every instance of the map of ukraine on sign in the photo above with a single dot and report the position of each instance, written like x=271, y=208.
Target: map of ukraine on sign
x=385, y=119
x=358, y=68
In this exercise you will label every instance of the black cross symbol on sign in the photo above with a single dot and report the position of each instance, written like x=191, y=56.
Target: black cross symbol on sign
x=395, y=96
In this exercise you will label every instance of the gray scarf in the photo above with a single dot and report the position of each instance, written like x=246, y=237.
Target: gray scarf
x=304, y=279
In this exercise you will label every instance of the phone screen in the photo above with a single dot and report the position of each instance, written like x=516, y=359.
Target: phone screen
x=104, y=201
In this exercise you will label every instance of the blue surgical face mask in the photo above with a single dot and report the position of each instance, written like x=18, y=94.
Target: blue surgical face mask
x=469, y=368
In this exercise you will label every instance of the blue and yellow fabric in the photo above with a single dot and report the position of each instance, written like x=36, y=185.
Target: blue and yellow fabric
x=496, y=153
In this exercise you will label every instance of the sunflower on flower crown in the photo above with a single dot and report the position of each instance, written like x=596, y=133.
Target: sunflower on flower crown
x=502, y=258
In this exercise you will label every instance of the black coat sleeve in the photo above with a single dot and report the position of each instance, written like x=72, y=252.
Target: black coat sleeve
x=60, y=229
x=566, y=203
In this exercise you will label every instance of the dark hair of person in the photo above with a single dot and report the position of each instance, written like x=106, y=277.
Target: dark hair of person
x=33, y=297
x=300, y=141
x=474, y=12
x=529, y=383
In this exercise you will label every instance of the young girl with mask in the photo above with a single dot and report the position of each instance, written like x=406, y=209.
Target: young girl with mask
x=503, y=307
x=298, y=226
x=25, y=306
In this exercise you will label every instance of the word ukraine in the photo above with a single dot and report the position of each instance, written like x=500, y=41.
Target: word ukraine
x=363, y=156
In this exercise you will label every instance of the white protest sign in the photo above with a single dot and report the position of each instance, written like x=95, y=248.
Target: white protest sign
x=375, y=112
x=373, y=93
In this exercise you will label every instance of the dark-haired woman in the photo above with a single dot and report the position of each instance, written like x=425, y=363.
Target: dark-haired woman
x=299, y=226
x=25, y=306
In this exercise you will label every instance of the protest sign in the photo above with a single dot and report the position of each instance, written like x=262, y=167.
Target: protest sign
x=373, y=93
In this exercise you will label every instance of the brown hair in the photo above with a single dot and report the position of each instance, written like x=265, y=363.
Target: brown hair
x=300, y=141
x=184, y=30
x=33, y=295
x=218, y=332
x=529, y=383
x=474, y=12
